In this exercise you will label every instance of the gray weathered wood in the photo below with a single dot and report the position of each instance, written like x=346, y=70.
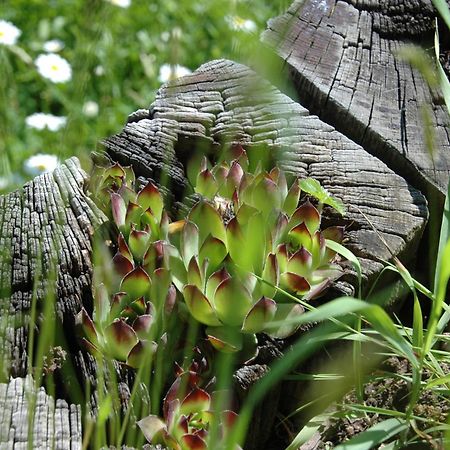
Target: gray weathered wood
x=54, y=424
x=342, y=57
x=224, y=102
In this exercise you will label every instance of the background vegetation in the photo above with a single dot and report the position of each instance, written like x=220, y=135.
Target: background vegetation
x=118, y=51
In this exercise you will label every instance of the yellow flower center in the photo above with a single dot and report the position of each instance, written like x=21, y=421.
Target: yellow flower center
x=54, y=67
x=41, y=167
x=2, y=33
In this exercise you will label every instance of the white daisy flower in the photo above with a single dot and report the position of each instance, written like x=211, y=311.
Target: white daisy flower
x=169, y=72
x=121, y=3
x=240, y=24
x=9, y=33
x=54, y=68
x=90, y=108
x=53, y=46
x=99, y=71
x=40, y=163
x=42, y=120
x=4, y=183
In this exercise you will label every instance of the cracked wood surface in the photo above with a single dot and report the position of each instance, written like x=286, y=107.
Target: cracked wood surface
x=55, y=424
x=224, y=102
x=342, y=58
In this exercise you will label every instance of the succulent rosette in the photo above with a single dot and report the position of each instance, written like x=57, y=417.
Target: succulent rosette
x=245, y=243
x=187, y=417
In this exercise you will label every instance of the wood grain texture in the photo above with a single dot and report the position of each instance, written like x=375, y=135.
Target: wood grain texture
x=54, y=424
x=224, y=102
x=343, y=58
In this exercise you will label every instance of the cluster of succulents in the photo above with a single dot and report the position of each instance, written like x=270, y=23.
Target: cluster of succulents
x=244, y=244
x=188, y=415
x=127, y=313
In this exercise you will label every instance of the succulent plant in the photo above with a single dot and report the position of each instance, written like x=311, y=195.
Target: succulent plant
x=187, y=416
x=243, y=243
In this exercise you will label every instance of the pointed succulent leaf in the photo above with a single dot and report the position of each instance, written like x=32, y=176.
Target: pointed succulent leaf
x=122, y=265
x=291, y=201
x=300, y=262
x=317, y=290
x=139, y=242
x=170, y=301
x=228, y=419
x=256, y=243
x=130, y=177
x=335, y=234
x=234, y=178
x=117, y=304
x=155, y=257
x=285, y=312
x=133, y=215
x=235, y=239
x=206, y=184
x=282, y=257
x=142, y=326
x=327, y=272
x=262, y=312
x=232, y=302
x=225, y=339
x=300, y=236
x=270, y=274
x=199, y=306
x=123, y=248
x=120, y=338
x=214, y=250
x=152, y=426
x=189, y=241
x=150, y=197
x=148, y=219
x=244, y=213
x=87, y=325
x=214, y=280
x=194, y=275
x=193, y=442
x=91, y=348
x=114, y=171
x=208, y=221
x=318, y=249
x=139, y=306
x=136, y=284
x=101, y=304
x=142, y=352
x=266, y=196
x=196, y=401
x=295, y=283
x=307, y=214
x=119, y=210
x=280, y=229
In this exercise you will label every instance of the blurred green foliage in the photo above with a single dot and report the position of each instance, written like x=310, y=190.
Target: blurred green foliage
x=115, y=54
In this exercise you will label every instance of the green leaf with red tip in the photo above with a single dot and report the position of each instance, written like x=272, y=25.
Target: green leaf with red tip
x=139, y=242
x=266, y=196
x=150, y=197
x=139, y=306
x=142, y=326
x=194, y=275
x=120, y=338
x=235, y=239
x=136, y=284
x=114, y=171
x=101, y=304
x=295, y=283
x=285, y=312
x=270, y=274
x=280, y=228
x=228, y=419
x=141, y=353
x=193, y=442
x=314, y=188
x=214, y=280
x=148, y=219
x=122, y=266
x=87, y=325
x=152, y=427
x=244, y=213
x=91, y=348
x=208, y=221
x=117, y=304
x=133, y=215
x=282, y=257
x=327, y=272
x=225, y=339
x=300, y=262
x=206, y=184
x=318, y=249
x=119, y=210
x=256, y=243
x=130, y=177
x=301, y=237
x=189, y=241
x=155, y=256
x=199, y=306
x=233, y=180
x=291, y=201
x=215, y=251
x=220, y=173
x=307, y=214
x=123, y=248
x=232, y=302
x=196, y=401
x=262, y=312
x=335, y=234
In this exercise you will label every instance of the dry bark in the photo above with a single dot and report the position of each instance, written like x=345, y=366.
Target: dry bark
x=343, y=58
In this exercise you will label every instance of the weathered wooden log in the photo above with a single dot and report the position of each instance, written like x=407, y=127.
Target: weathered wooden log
x=224, y=102
x=343, y=57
